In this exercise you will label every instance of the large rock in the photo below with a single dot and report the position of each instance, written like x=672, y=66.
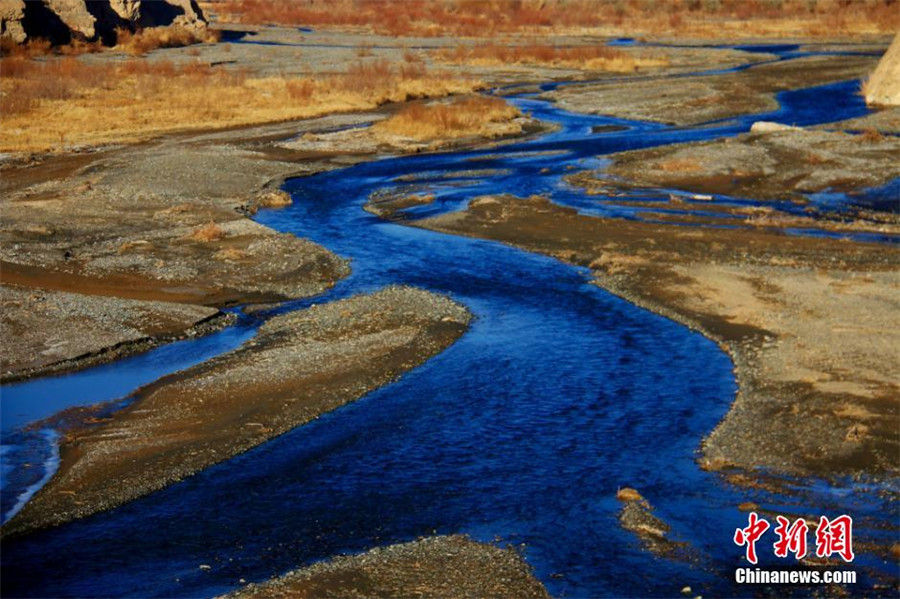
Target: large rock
x=75, y=15
x=185, y=13
x=12, y=13
x=61, y=21
x=883, y=87
x=129, y=10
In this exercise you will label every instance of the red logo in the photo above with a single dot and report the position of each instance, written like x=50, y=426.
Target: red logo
x=748, y=536
x=791, y=537
x=834, y=536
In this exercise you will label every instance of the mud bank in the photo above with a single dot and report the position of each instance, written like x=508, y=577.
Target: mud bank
x=446, y=567
x=299, y=366
x=809, y=323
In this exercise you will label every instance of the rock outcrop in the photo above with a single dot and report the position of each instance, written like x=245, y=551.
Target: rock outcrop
x=62, y=21
x=883, y=87
x=12, y=13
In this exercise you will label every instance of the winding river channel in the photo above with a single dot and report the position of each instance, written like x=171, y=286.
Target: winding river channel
x=521, y=432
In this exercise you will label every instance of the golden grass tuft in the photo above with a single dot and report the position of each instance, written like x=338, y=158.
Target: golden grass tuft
x=153, y=38
x=464, y=117
x=628, y=494
x=595, y=58
x=230, y=255
x=208, y=233
x=46, y=104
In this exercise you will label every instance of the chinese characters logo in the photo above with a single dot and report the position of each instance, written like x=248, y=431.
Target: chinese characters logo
x=833, y=537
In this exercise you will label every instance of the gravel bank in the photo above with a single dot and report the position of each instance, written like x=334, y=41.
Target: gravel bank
x=810, y=323
x=54, y=331
x=449, y=567
x=299, y=366
x=695, y=100
x=766, y=166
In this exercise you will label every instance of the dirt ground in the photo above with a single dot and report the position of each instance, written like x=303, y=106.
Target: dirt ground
x=447, y=567
x=63, y=231
x=299, y=366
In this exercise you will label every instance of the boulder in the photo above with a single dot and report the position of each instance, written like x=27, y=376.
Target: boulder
x=162, y=13
x=127, y=10
x=883, y=86
x=770, y=127
x=75, y=15
x=12, y=15
x=61, y=21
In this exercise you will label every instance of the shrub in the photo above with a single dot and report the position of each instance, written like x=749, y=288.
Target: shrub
x=208, y=232
x=459, y=118
x=147, y=40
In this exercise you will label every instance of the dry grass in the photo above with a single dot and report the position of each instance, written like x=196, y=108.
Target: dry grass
x=231, y=255
x=486, y=18
x=679, y=165
x=207, y=233
x=52, y=102
x=629, y=494
x=466, y=117
x=147, y=40
x=41, y=47
x=135, y=43
x=600, y=58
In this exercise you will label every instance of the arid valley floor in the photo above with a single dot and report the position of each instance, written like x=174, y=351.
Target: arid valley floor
x=736, y=184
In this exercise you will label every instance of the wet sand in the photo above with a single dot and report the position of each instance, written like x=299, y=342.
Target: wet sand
x=299, y=366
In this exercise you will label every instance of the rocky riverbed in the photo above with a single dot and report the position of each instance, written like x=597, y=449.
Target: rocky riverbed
x=299, y=366
x=809, y=323
x=444, y=566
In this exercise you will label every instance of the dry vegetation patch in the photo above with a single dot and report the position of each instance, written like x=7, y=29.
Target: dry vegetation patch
x=464, y=117
x=485, y=18
x=599, y=58
x=53, y=102
x=208, y=232
x=143, y=41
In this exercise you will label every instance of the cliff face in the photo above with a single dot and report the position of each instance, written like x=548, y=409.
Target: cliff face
x=62, y=21
x=883, y=87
